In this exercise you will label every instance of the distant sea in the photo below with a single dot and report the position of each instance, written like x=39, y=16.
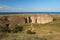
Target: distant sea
x=29, y=13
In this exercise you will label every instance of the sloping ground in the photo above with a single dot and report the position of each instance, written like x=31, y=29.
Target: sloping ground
x=43, y=32
x=49, y=31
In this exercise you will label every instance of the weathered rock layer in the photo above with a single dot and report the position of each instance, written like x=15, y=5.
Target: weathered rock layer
x=13, y=20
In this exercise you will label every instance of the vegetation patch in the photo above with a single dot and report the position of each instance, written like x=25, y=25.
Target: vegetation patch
x=17, y=29
x=30, y=32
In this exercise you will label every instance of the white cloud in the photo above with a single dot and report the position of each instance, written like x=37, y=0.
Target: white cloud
x=1, y=7
x=4, y=8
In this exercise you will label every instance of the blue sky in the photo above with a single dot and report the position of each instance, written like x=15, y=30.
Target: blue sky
x=29, y=5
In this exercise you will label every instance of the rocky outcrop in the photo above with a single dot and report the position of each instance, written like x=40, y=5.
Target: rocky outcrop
x=4, y=22
x=33, y=19
x=16, y=20
x=13, y=20
x=41, y=19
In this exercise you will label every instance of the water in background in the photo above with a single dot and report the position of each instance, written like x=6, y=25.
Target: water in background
x=29, y=13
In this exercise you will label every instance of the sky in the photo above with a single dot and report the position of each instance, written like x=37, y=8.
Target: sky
x=29, y=5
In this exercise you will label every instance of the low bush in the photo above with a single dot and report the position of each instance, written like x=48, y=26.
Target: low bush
x=14, y=30
x=30, y=32
x=42, y=38
x=54, y=19
x=17, y=29
x=4, y=29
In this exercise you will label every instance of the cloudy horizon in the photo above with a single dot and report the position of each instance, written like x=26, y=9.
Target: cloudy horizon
x=29, y=6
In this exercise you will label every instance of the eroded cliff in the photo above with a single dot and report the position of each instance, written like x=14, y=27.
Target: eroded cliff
x=12, y=20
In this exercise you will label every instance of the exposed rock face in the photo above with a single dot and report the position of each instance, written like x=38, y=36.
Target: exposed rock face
x=16, y=20
x=13, y=20
x=42, y=19
x=4, y=22
x=33, y=19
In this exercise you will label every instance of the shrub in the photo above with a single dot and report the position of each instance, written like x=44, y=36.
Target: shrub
x=54, y=19
x=38, y=38
x=30, y=32
x=17, y=29
x=4, y=29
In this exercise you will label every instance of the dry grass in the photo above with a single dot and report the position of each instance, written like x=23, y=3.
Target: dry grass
x=43, y=32
x=50, y=31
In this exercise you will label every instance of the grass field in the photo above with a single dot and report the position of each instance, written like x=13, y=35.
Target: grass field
x=42, y=32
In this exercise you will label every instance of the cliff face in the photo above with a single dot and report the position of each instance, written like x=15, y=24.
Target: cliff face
x=33, y=19
x=13, y=20
x=16, y=20
x=41, y=19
